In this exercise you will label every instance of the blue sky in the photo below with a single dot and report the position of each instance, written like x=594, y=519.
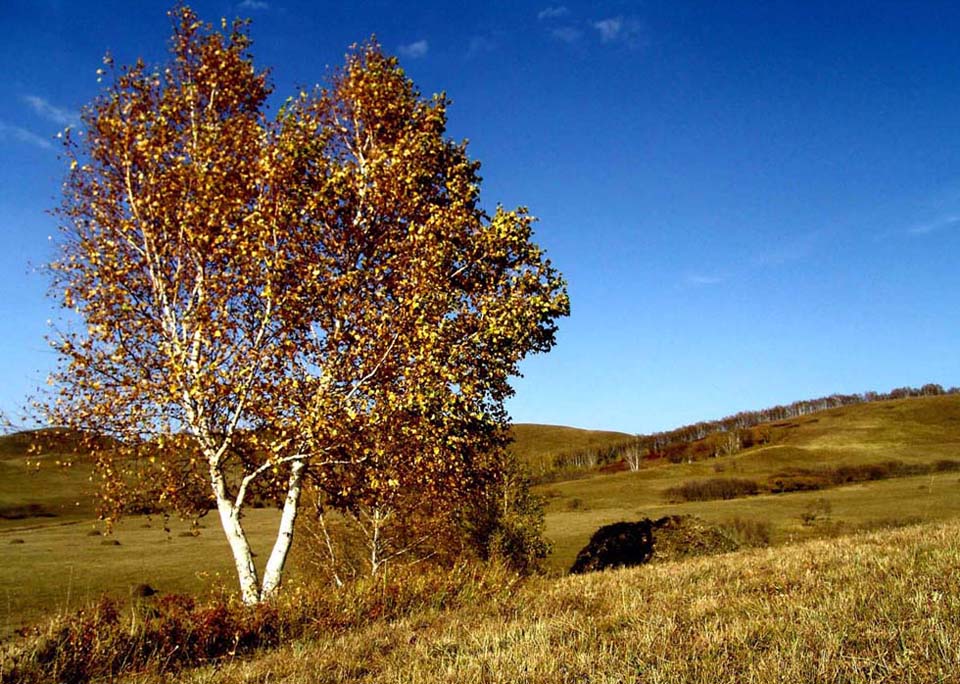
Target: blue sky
x=753, y=202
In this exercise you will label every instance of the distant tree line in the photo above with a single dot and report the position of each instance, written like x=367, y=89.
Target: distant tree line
x=725, y=436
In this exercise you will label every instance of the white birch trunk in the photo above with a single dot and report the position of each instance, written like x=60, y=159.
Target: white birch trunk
x=278, y=557
x=237, y=538
x=634, y=457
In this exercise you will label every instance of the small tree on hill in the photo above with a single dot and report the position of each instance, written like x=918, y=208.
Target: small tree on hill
x=314, y=298
x=433, y=306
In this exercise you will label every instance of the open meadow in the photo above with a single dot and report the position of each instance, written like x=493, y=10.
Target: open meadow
x=921, y=432
x=879, y=607
x=852, y=581
x=279, y=277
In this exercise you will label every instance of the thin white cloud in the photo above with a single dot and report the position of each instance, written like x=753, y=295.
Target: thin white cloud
x=57, y=115
x=415, y=50
x=609, y=29
x=942, y=223
x=255, y=5
x=553, y=12
x=566, y=34
x=480, y=45
x=627, y=31
x=22, y=135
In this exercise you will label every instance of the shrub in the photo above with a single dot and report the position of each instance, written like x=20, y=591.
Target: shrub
x=819, y=509
x=33, y=510
x=713, y=488
x=622, y=544
x=676, y=537
x=797, y=482
x=166, y=635
x=108, y=640
x=748, y=531
x=501, y=522
x=505, y=524
x=671, y=538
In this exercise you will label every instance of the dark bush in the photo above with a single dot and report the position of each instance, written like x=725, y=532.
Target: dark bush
x=142, y=591
x=21, y=512
x=809, y=479
x=622, y=544
x=713, y=488
x=627, y=544
x=808, y=482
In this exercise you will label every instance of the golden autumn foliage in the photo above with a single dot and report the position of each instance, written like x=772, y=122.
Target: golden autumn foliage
x=316, y=298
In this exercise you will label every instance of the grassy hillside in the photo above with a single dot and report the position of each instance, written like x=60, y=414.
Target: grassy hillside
x=917, y=431
x=539, y=445
x=52, y=563
x=882, y=607
x=35, y=486
x=51, y=493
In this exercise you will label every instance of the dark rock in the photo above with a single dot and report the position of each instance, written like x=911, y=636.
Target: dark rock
x=627, y=544
x=142, y=591
x=622, y=544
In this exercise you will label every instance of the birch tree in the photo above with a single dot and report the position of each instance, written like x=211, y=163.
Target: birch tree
x=435, y=303
x=264, y=303
x=173, y=255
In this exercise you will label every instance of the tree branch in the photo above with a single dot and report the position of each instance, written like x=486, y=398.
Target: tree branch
x=369, y=375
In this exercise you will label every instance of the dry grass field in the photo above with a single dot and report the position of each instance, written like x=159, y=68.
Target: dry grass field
x=854, y=583
x=918, y=432
x=539, y=445
x=878, y=607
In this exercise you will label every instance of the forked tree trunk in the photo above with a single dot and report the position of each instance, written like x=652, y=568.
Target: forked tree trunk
x=239, y=546
x=250, y=589
x=281, y=547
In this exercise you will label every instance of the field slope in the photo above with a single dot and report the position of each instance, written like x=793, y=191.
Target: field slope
x=922, y=434
x=538, y=445
x=879, y=607
x=57, y=560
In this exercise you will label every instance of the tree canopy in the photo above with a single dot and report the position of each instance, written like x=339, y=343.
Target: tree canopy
x=317, y=297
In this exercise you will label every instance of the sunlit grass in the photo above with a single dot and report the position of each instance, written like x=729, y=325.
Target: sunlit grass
x=914, y=431
x=880, y=607
x=60, y=565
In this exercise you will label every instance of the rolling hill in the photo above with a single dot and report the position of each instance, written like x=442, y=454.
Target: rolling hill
x=59, y=559
x=540, y=445
x=879, y=607
x=922, y=434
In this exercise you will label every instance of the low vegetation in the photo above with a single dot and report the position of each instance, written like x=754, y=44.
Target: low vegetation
x=799, y=479
x=883, y=606
x=165, y=633
x=712, y=488
x=890, y=506
x=554, y=452
x=882, y=462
